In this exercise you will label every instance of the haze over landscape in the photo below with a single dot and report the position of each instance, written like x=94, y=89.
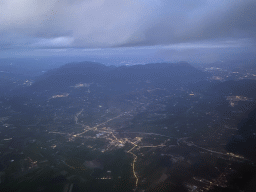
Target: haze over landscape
x=139, y=95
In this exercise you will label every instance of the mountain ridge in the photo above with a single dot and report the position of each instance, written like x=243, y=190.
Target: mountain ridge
x=171, y=74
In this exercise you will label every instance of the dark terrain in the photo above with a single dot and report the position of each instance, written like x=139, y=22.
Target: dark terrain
x=155, y=127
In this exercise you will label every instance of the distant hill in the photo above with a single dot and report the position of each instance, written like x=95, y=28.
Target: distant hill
x=160, y=74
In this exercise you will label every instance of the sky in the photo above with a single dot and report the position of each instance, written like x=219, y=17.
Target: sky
x=171, y=30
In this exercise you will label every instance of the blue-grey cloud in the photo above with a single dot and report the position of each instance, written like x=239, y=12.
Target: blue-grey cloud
x=115, y=23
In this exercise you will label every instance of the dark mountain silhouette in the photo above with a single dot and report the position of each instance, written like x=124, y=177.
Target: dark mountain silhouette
x=71, y=74
x=160, y=74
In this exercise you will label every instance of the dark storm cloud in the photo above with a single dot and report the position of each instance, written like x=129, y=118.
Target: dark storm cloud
x=202, y=20
x=115, y=23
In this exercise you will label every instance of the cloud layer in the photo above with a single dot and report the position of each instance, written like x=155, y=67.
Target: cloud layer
x=115, y=23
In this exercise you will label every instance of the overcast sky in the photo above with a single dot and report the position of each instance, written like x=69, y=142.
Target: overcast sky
x=169, y=27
